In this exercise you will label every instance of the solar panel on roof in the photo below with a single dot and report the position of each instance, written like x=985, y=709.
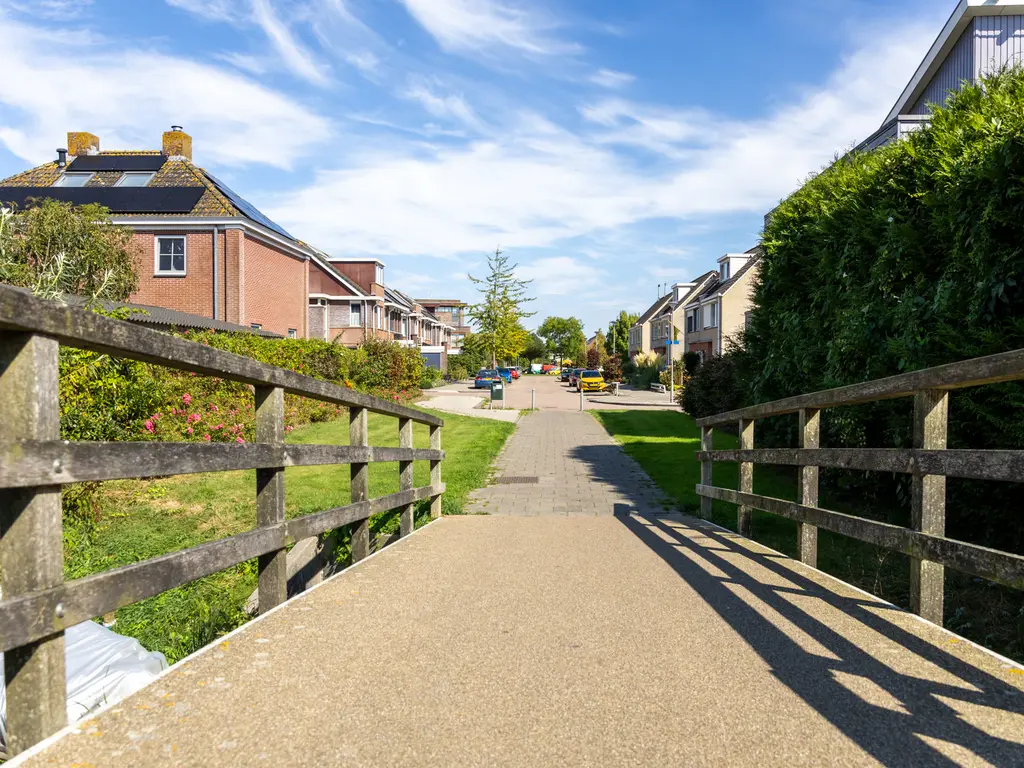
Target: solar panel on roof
x=117, y=199
x=117, y=163
x=248, y=209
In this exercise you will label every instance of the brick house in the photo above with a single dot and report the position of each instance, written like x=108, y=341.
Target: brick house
x=640, y=333
x=715, y=315
x=450, y=313
x=201, y=248
x=669, y=324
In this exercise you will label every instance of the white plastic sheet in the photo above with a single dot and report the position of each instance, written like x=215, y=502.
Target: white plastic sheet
x=102, y=666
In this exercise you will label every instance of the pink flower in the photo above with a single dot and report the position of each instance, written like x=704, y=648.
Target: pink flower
x=149, y=426
x=219, y=426
x=206, y=438
x=239, y=440
x=186, y=398
x=214, y=408
x=189, y=430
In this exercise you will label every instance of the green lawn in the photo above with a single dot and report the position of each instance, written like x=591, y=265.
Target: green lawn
x=142, y=519
x=664, y=444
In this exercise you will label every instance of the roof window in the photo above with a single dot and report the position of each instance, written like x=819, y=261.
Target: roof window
x=73, y=180
x=134, y=179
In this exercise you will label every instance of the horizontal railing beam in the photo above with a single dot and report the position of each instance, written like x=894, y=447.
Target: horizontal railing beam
x=20, y=311
x=28, y=464
x=40, y=614
x=1006, y=366
x=977, y=465
x=1002, y=567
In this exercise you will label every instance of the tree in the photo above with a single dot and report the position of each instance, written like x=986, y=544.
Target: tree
x=499, y=316
x=594, y=357
x=56, y=248
x=536, y=349
x=565, y=339
x=617, y=341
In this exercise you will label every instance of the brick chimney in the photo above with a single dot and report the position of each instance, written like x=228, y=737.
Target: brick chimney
x=177, y=144
x=82, y=143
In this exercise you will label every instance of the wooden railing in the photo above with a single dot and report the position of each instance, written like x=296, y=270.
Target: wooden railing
x=929, y=462
x=38, y=604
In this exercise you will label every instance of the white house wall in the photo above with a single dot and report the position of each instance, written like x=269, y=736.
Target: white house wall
x=957, y=67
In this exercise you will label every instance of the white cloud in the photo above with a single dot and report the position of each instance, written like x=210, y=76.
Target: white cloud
x=292, y=52
x=559, y=276
x=449, y=107
x=537, y=184
x=244, y=62
x=127, y=96
x=213, y=10
x=610, y=78
x=365, y=61
x=481, y=26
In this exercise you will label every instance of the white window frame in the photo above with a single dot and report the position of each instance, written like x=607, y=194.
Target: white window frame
x=256, y=326
x=157, y=272
x=355, y=312
x=378, y=274
x=76, y=175
x=711, y=315
x=293, y=333
x=135, y=174
x=725, y=271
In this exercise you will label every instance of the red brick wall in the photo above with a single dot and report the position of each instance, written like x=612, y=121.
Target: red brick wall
x=360, y=273
x=191, y=293
x=275, y=289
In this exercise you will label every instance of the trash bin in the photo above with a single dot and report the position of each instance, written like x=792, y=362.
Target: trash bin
x=498, y=393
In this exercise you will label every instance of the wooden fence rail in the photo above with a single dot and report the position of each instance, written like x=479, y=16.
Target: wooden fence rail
x=929, y=463
x=38, y=605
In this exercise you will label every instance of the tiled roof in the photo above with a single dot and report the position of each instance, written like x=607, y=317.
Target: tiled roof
x=654, y=309
x=174, y=173
x=721, y=287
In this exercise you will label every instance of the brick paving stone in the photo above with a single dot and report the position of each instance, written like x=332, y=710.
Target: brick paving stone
x=580, y=471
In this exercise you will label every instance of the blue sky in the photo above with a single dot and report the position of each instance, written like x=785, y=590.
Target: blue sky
x=607, y=146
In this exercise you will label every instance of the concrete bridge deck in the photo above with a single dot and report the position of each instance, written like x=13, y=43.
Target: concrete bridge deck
x=604, y=640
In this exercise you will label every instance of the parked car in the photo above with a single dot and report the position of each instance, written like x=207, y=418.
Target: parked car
x=574, y=377
x=555, y=371
x=485, y=377
x=516, y=373
x=591, y=381
x=506, y=374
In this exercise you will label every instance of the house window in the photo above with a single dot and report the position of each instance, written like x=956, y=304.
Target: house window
x=711, y=315
x=355, y=318
x=293, y=333
x=725, y=270
x=170, y=255
x=378, y=275
x=256, y=326
x=134, y=179
x=73, y=180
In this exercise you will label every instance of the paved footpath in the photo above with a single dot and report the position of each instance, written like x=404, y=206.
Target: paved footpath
x=565, y=463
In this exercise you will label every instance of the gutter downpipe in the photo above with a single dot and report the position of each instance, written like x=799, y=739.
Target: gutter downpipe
x=216, y=287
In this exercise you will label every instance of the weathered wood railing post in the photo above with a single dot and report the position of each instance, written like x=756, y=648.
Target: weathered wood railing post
x=273, y=566
x=806, y=534
x=358, y=435
x=746, y=484
x=707, y=435
x=928, y=504
x=31, y=546
x=435, y=472
x=405, y=477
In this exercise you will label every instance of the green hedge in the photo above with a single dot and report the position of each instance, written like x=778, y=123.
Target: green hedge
x=900, y=259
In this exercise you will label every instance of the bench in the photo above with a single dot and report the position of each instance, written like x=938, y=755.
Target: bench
x=657, y=386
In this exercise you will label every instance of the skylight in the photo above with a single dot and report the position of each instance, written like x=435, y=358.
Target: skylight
x=73, y=180
x=134, y=179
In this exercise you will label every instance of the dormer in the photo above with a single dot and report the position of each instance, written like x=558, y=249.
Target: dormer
x=680, y=291
x=730, y=264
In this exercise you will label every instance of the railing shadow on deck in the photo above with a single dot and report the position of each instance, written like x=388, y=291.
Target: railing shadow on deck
x=705, y=557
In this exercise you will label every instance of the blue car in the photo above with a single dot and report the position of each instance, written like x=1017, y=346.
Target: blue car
x=485, y=377
x=506, y=374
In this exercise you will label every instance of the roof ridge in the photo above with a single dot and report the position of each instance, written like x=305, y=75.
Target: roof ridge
x=200, y=174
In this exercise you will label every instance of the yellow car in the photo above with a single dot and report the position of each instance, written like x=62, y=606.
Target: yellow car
x=591, y=381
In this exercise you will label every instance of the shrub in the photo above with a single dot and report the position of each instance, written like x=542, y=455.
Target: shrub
x=716, y=387
x=691, y=362
x=612, y=369
x=647, y=368
x=430, y=377
x=900, y=259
